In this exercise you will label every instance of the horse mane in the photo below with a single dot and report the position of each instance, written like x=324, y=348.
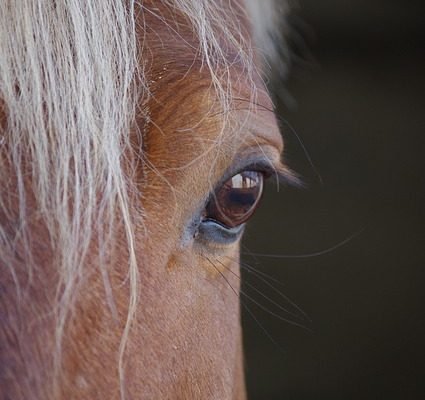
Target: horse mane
x=70, y=82
x=269, y=34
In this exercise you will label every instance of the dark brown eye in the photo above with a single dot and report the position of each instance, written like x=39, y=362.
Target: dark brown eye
x=234, y=202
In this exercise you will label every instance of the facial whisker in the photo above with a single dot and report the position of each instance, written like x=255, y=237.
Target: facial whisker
x=304, y=149
x=258, y=304
x=262, y=277
x=264, y=295
x=308, y=255
x=248, y=310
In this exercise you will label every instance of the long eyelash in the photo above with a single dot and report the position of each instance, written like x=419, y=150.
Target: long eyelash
x=287, y=177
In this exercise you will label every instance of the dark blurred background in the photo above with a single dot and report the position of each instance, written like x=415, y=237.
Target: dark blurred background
x=358, y=97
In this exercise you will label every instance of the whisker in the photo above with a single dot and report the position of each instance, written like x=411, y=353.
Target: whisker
x=262, y=294
x=306, y=153
x=258, y=274
x=307, y=255
x=273, y=314
x=254, y=270
x=247, y=309
x=279, y=292
x=259, y=305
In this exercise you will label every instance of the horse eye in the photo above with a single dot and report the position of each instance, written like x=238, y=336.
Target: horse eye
x=236, y=200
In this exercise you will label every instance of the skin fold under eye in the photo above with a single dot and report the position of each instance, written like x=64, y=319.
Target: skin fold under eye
x=235, y=201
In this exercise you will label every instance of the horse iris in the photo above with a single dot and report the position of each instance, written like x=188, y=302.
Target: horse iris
x=235, y=201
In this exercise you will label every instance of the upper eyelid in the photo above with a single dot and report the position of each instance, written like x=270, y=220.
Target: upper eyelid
x=263, y=164
x=260, y=164
x=265, y=168
x=257, y=162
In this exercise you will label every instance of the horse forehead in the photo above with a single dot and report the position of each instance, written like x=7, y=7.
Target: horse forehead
x=181, y=87
x=187, y=118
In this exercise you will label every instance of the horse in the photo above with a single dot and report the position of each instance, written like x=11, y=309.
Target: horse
x=135, y=141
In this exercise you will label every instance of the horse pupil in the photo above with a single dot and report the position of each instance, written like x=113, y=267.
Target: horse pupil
x=244, y=199
x=234, y=202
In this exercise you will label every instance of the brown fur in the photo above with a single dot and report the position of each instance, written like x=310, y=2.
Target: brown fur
x=185, y=341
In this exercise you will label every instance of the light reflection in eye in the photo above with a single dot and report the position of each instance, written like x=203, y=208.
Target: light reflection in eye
x=243, y=181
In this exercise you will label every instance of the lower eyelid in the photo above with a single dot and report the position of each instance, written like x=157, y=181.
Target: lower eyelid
x=210, y=231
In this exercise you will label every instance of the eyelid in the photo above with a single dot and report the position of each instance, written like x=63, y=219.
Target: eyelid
x=265, y=168
x=282, y=173
x=259, y=164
